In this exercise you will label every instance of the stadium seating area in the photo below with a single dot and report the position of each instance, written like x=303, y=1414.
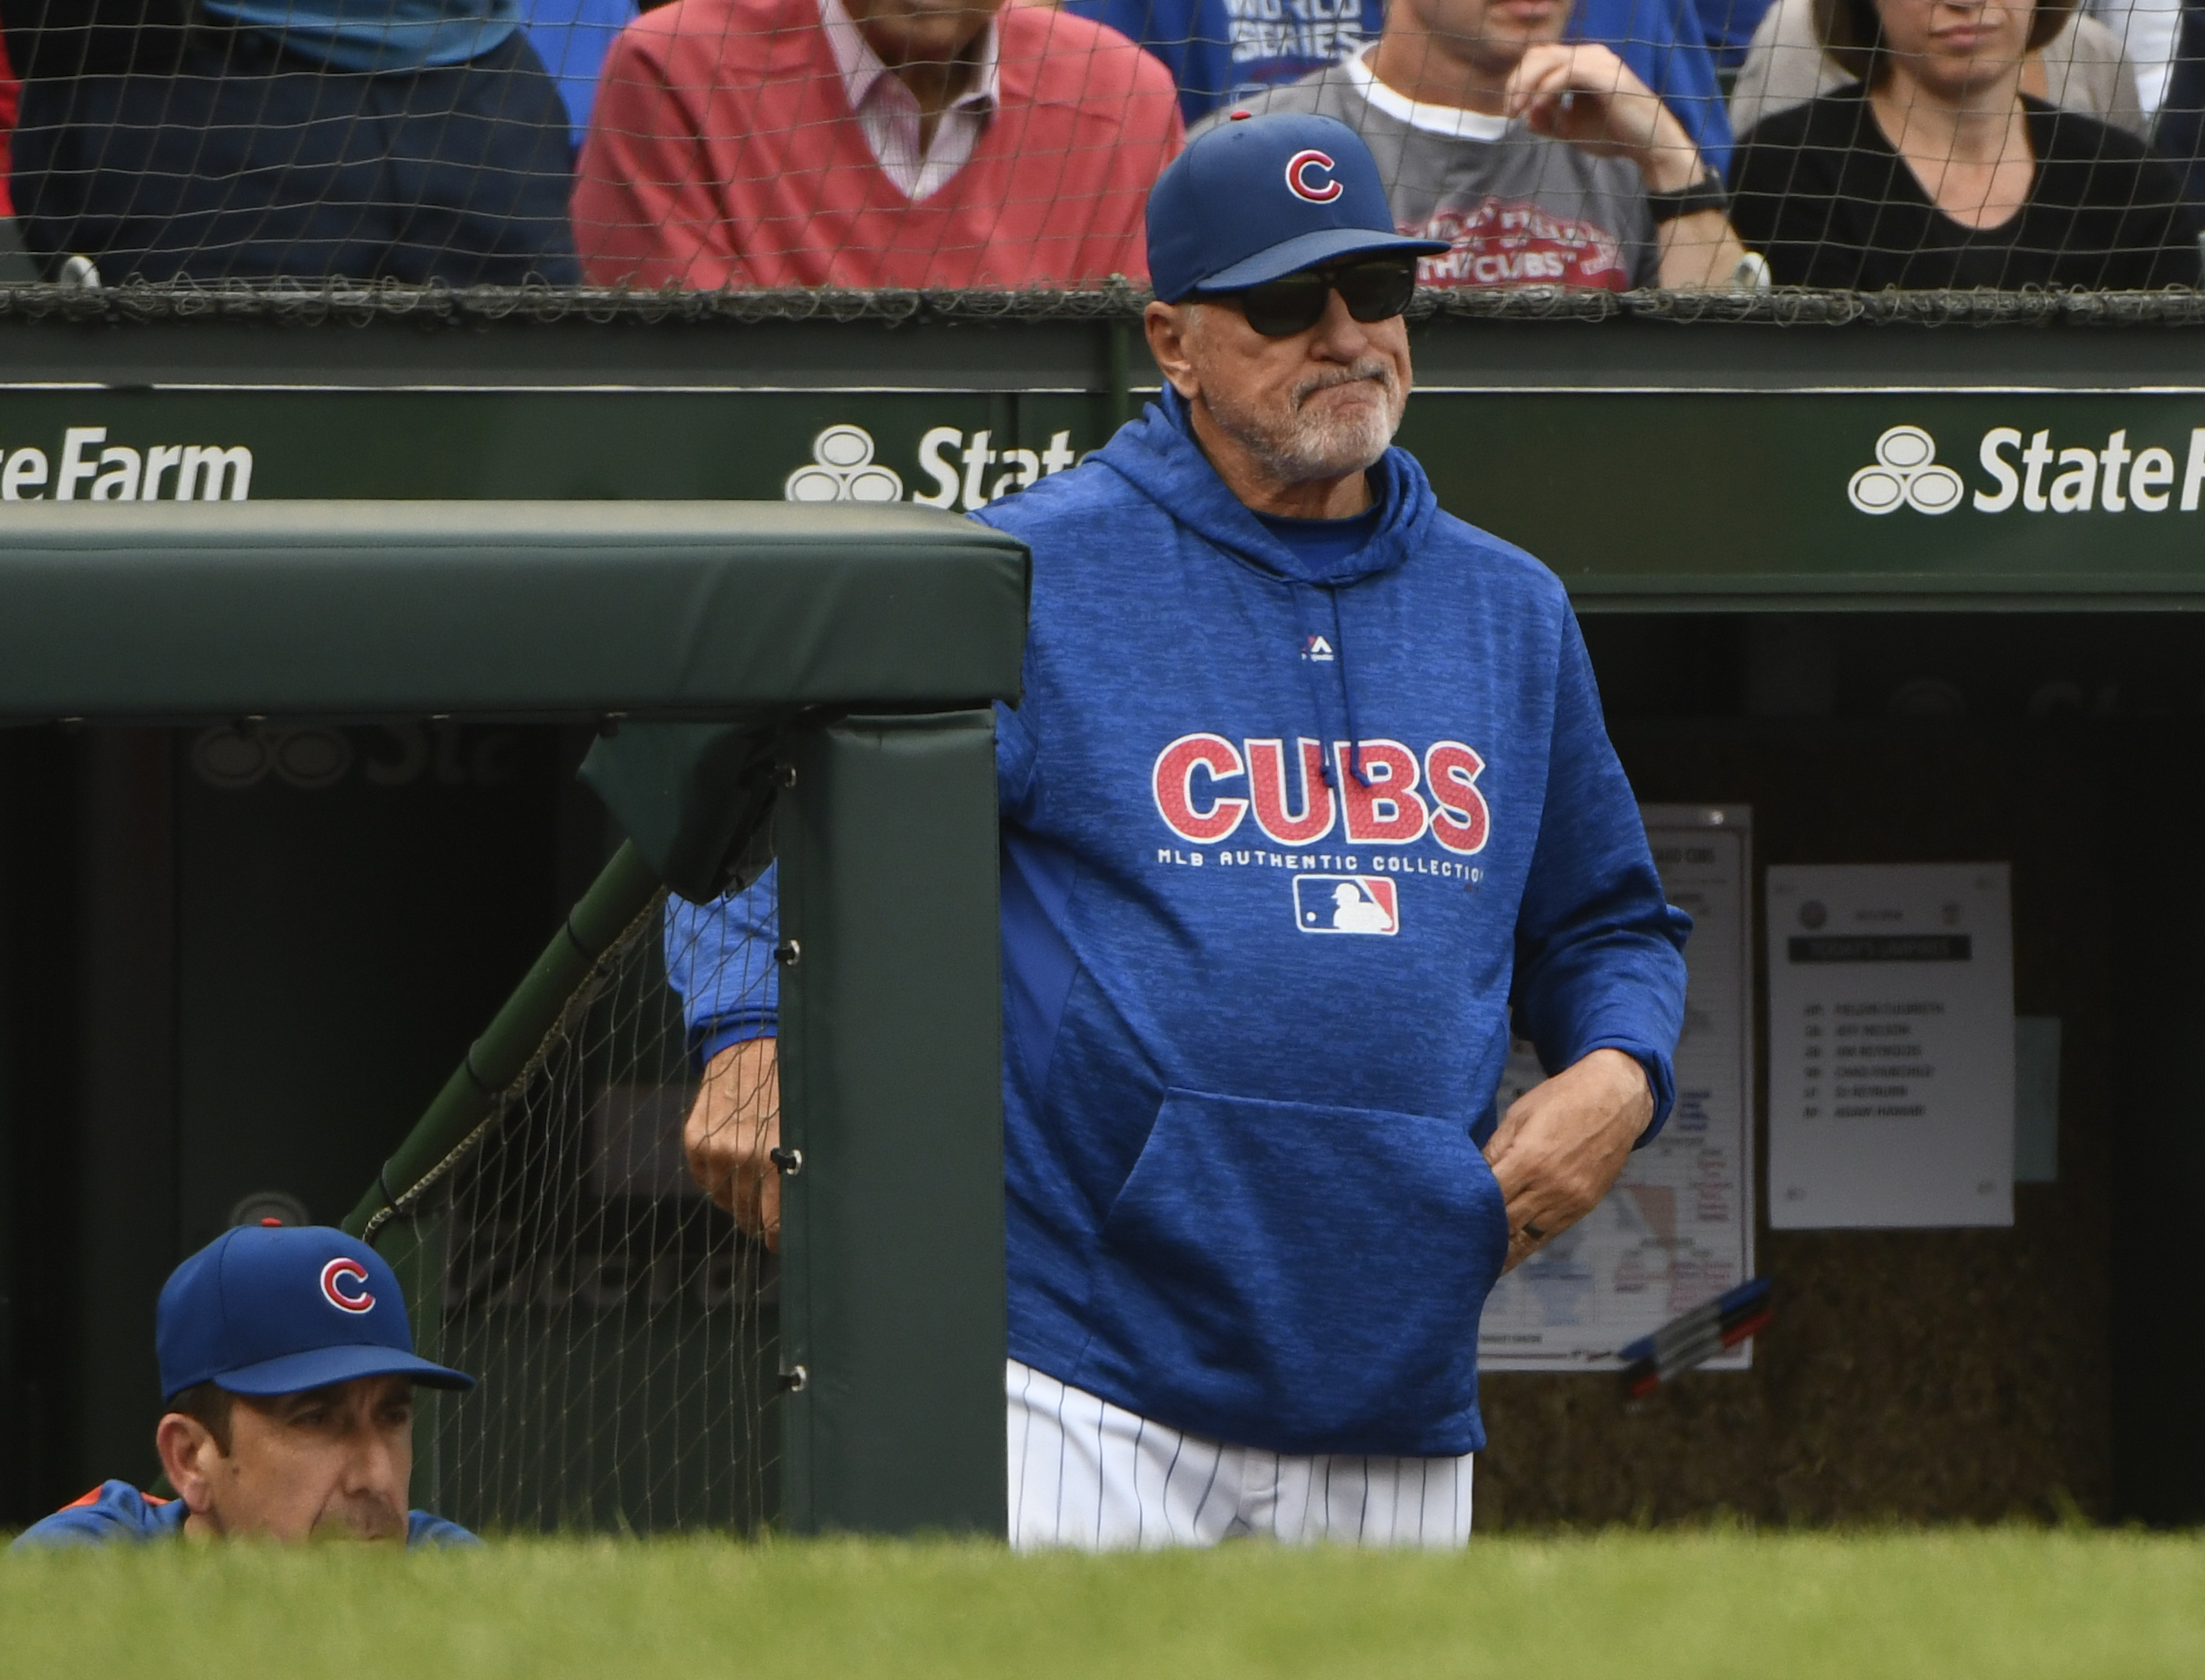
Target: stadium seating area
x=700, y=145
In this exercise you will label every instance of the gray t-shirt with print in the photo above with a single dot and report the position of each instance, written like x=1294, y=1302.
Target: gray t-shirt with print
x=1518, y=209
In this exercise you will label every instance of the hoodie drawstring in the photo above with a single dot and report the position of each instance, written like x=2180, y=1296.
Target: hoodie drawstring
x=1321, y=694
x=1158, y=455
x=1346, y=692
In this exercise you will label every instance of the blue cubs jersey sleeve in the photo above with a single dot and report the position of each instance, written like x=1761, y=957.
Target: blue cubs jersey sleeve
x=425, y=1528
x=1588, y=977
x=116, y=1512
x=113, y=1511
x=719, y=961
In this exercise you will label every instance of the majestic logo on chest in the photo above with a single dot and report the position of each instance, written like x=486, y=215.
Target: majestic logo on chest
x=1206, y=787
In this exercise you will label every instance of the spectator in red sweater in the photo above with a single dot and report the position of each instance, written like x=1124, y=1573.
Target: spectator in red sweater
x=876, y=143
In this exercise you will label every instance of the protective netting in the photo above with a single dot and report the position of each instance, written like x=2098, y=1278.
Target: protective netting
x=518, y=152
x=340, y=303
x=622, y=1327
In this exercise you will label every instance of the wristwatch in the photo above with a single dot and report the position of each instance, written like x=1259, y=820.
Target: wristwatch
x=1705, y=193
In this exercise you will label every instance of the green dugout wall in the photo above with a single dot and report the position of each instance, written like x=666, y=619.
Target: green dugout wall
x=861, y=645
x=1754, y=620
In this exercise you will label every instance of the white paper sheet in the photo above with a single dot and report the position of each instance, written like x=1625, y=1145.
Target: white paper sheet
x=1678, y=1228
x=1890, y=1046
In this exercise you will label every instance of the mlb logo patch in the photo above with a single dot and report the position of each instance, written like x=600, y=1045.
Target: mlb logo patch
x=1347, y=904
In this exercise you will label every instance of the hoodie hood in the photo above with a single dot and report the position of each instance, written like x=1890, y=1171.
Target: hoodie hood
x=1158, y=455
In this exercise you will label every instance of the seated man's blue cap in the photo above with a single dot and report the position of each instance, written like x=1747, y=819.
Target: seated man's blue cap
x=1257, y=198
x=276, y=1309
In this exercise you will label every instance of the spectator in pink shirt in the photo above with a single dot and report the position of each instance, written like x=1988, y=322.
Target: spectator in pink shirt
x=876, y=143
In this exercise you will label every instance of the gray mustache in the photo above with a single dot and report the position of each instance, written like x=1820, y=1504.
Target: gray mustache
x=1376, y=371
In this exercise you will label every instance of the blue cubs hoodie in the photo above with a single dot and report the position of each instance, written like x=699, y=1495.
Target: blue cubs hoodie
x=1282, y=840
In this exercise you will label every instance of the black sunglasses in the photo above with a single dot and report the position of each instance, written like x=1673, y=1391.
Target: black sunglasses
x=1377, y=288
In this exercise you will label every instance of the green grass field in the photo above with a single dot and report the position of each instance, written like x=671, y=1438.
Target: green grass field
x=2011, y=1602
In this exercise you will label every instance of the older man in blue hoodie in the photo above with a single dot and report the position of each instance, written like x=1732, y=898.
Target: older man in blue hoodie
x=1309, y=788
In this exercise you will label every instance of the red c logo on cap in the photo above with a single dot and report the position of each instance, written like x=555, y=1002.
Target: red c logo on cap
x=336, y=1275
x=1298, y=169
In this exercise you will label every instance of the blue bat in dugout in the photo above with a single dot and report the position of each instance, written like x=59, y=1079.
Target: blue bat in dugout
x=1696, y=1337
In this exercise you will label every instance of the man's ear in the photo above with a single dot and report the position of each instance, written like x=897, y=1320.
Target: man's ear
x=1169, y=325
x=188, y=1450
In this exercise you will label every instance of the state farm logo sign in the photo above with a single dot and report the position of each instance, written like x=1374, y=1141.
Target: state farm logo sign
x=2031, y=474
x=962, y=470
x=1905, y=474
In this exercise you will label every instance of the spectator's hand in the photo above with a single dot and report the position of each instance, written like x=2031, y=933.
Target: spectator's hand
x=1587, y=97
x=1561, y=1145
x=736, y=1119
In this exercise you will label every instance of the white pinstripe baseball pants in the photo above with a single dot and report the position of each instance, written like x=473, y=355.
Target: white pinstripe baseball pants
x=1090, y=1475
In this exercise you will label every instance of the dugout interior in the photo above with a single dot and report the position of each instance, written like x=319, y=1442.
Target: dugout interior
x=208, y=990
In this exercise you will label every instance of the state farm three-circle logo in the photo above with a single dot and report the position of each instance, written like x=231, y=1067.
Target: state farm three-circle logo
x=1905, y=473
x=343, y=1281
x=842, y=469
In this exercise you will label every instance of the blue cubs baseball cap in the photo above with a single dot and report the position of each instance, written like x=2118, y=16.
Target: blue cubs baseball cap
x=274, y=1309
x=1257, y=197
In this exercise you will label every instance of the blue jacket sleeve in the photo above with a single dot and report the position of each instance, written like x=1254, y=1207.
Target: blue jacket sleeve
x=719, y=960
x=113, y=1511
x=426, y=1529
x=1599, y=951
x=719, y=956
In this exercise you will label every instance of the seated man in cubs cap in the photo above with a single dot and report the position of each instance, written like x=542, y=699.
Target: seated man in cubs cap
x=288, y=1371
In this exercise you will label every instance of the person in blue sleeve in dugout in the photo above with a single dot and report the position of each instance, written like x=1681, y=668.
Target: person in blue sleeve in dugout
x=287, y=1372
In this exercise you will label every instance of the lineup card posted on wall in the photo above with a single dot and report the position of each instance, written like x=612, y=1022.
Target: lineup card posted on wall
x=1678, y=1228
x=1890, y=1046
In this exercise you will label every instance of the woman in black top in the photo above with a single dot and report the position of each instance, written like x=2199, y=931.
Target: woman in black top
x=1935, y=170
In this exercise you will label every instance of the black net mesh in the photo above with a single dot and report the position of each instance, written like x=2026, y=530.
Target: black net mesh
x=622, y=1327
x=249, y=153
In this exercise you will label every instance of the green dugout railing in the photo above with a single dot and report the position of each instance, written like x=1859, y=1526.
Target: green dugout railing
x=839, y=662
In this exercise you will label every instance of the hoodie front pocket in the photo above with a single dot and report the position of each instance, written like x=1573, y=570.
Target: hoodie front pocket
x=1297, y=1276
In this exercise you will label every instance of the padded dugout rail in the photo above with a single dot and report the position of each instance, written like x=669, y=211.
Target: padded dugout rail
x=192, y=610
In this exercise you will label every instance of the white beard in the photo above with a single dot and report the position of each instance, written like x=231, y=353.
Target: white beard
x=1298, y=445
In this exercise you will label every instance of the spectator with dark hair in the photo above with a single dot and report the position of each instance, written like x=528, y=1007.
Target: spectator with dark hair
x=2082, y=68
x=1933, y=169
x=415, y=140
x=1225, y=52
x=870, y=143
x=1537, y=162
